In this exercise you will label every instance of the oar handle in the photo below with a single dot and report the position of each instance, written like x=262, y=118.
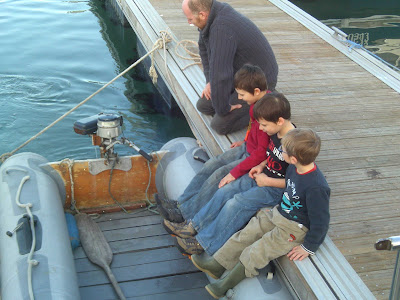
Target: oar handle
x=114, y=282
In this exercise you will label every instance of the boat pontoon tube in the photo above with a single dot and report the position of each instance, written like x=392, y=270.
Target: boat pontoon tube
x=177, y=167
x=25, y=178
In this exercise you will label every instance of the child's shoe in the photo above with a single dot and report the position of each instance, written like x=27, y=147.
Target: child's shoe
x=165, y=202
x=219, y=288
x=208, y=264
x=171, y=214
x=189, y=246
x=184, y=230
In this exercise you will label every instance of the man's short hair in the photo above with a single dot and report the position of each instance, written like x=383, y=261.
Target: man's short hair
x=271, y=107
x=249, y=77
x=197, y=6
x=304, y=144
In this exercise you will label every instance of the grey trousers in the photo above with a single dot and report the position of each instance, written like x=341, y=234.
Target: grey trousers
x=234, y=121
x=264, y=238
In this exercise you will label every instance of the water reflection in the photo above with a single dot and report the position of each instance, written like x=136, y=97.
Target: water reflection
x=370, y=23
x=380, y=34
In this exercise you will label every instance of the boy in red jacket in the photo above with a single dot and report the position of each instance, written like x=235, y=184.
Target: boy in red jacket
x=251, y=85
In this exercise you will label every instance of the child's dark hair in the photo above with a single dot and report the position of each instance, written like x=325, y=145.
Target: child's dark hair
x=304, y=144
x=271, y=107
x=250, y=77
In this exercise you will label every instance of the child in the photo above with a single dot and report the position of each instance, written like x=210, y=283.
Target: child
x=251, y=85
x=296, y=227
x=233, y=205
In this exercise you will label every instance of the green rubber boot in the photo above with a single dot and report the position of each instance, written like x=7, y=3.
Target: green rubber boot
x=208, y=264
x=219, y=288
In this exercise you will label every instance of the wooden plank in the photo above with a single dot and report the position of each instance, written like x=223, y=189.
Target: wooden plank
x=83, y=181
x=133, y=259
x=138, y=272
x=150, y=287
x=138, y=244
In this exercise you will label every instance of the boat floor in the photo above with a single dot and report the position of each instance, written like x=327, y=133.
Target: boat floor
x=146, y=262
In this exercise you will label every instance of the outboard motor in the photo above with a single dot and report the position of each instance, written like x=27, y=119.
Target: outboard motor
x=104, y=130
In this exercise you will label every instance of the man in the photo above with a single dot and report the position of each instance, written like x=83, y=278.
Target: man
x=227, y=41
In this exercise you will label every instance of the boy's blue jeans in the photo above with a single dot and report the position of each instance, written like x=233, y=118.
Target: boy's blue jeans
x=230, y=209
x=205, y=183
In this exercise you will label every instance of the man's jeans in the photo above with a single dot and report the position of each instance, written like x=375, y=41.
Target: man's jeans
x=230, y=209
x=205, y=183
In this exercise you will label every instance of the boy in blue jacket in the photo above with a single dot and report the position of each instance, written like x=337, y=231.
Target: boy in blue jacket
x=297, y=226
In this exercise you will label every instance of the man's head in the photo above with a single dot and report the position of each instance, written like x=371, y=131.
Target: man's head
x=271, y=112
x=301, y=144
x=197, y=11
x=250, y=83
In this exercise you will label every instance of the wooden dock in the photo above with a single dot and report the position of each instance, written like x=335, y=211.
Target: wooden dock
x=355, y=113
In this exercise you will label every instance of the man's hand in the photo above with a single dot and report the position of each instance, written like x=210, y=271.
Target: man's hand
x=237, y=144
x=228, y=178
x=207, y=92
x=255, y=170
x=236, y=106
x=298, y=253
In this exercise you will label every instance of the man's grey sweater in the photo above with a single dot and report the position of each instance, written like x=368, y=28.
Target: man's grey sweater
x=227, y=42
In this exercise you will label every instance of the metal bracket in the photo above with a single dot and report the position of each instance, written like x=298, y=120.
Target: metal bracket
x=99, y=165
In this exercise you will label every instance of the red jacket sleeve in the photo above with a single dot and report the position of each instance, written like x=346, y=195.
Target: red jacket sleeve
x=256, y=145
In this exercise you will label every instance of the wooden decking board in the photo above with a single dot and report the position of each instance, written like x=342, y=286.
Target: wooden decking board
x=152, y=288
x=145, y=262
x=134, y=259
x=139, y=272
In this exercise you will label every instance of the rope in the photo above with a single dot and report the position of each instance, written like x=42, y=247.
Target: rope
x=70, y=163
x=31, y=262
x=157, y=45
x=166, y=33
x=150, y=205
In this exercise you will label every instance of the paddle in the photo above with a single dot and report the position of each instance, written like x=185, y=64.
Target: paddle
x=96, y=247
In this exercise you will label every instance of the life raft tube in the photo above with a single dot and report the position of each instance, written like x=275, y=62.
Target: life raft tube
x=26, y=178
x=183, y=160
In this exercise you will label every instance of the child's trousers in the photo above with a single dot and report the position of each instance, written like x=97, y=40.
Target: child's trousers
x=265, y=238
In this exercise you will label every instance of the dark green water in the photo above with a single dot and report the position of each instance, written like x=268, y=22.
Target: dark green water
x=371, y=23
x=53, y=55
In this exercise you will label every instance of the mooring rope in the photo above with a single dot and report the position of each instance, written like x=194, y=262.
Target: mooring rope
x=157, y=45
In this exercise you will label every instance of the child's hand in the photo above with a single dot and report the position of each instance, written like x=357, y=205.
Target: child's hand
x=261, y=179
x=298, y=253
x=228, y=178
x=236, y=144
x=255, y=170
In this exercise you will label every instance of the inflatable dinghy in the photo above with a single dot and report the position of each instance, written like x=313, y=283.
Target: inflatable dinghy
x=174, y=173
x=35, y=251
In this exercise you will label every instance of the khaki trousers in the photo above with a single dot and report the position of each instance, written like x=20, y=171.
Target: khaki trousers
x=264, y=238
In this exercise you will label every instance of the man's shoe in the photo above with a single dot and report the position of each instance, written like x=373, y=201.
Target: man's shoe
x=208, y=264
x=219, y=288
x=184, y=230
x=165, y=202
x=171, y=214
x=189, y=246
